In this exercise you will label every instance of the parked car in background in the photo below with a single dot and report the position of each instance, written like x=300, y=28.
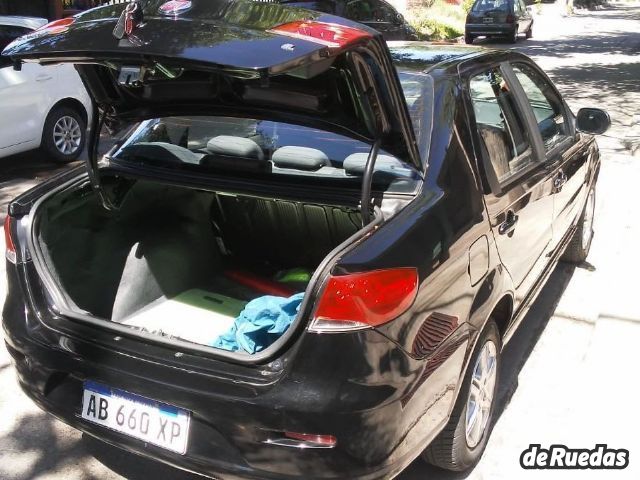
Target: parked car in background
x=40, y=106
x=376, y=14
x=303, y=257
x=498, y=18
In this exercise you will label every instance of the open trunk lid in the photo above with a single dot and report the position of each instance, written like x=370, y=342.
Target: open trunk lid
x=247, y=58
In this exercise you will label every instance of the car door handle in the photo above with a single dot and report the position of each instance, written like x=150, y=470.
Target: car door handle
x=43, y=78
x=559, y=181
x=509, y=224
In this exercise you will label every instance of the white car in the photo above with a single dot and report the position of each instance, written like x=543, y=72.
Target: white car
x=40, y=106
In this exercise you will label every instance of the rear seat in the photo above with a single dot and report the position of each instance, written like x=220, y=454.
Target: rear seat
x=281, y=233
x=278, y=232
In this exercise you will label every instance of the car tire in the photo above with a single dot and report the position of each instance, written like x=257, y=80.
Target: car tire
x=529, y=32
x=457, y=447
x=513, y=36
x=468, y=38
x=64, y=134
x=578, y=248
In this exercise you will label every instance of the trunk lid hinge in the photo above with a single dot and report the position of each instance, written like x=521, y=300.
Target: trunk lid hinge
x=97, y=123
x=367, y=180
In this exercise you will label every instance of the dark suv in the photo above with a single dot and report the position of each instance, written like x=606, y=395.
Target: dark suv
x=498, y=18
x=303, y=257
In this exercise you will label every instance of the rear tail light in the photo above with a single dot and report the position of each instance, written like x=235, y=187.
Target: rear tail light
x=8, y=240
x=57, y=26
x=328, y=34
x=510, y=18
x=364, y=300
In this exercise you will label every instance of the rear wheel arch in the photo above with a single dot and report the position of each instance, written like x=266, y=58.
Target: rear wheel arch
x=502, y=313
x=445, y=450
x=494, y=296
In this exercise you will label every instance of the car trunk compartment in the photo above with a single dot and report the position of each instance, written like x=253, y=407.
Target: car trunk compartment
x=173, y=261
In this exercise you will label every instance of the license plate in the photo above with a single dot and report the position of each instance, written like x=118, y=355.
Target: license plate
x=487, y=20
x=153, y=422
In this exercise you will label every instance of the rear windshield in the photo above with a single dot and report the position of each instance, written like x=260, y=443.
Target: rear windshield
x=264, y=147
x=490, y=6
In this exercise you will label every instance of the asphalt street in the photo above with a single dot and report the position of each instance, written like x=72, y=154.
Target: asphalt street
x=569, y=376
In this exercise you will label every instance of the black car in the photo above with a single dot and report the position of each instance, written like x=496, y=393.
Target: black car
x=498, y=18
x=376, y=14
x=303, y=257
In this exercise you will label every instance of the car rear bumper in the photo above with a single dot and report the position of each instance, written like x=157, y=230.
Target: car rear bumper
x=230, y=424
x=488, y=29
x=210, y=451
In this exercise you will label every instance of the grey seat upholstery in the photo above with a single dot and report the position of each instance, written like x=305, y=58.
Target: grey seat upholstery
x=231, y=146
x=301, y=158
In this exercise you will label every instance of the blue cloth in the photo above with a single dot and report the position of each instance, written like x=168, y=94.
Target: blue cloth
x=261, y=323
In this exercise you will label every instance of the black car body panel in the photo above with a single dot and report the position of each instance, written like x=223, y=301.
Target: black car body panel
x=383, y=393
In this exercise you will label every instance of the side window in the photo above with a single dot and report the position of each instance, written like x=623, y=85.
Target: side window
x=547, y=106
x=8, y=34
x=503, y=133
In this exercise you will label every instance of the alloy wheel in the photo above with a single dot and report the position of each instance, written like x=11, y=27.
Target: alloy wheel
x=481, y=394
x=67, y=135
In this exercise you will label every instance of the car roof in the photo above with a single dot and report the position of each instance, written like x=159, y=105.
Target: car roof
x=26, y=22
x=425, y=56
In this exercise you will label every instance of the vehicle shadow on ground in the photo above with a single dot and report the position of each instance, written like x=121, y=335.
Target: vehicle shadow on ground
x=132, y=466
x=35, y=448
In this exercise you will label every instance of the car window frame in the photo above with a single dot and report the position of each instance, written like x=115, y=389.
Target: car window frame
x=553, y=154
x=523, y=109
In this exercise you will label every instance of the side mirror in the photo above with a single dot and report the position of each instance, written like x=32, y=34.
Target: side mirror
x=399, y=19
x=593, y=120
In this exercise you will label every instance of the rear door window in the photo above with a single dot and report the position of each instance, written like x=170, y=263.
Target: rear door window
x=546, y=104
x=503, y=133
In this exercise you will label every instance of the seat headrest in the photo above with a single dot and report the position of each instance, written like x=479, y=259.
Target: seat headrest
x=235, y=147
x=301, y=158
x=354, y=164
